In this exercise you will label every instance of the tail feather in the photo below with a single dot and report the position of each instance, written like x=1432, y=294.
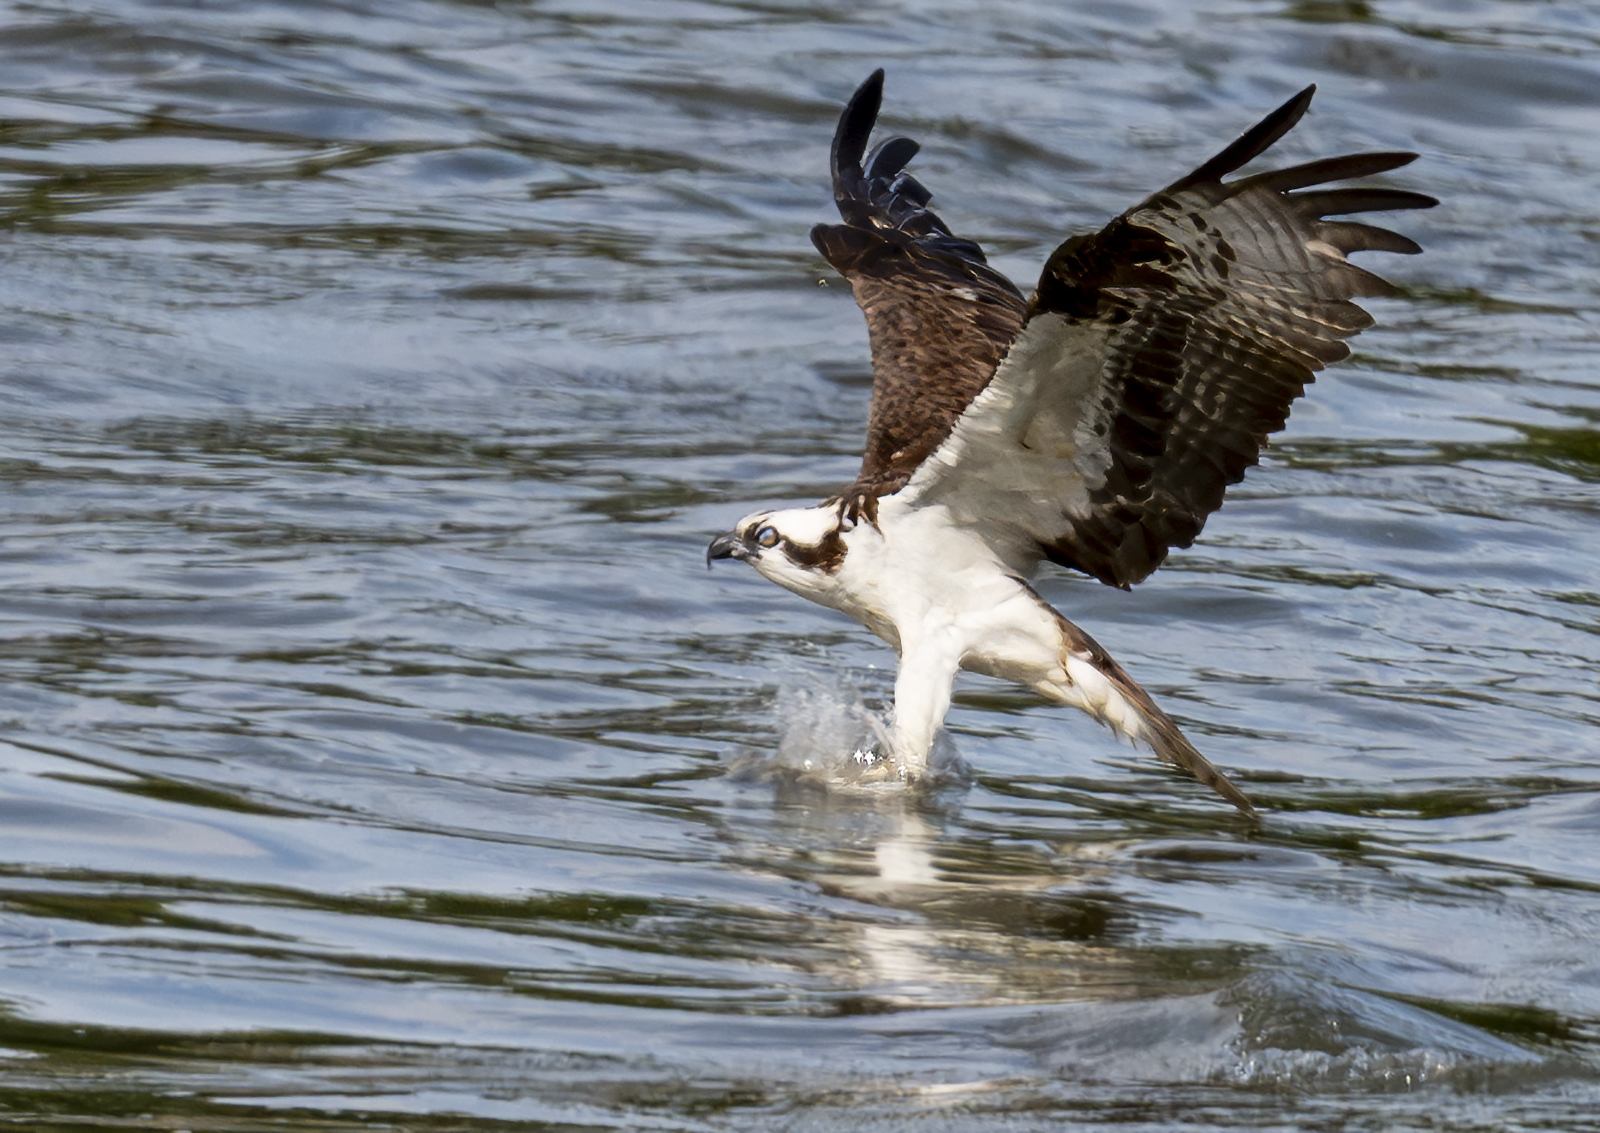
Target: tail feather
x=1114, y=698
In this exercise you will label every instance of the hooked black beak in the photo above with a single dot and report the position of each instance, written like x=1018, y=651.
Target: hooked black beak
x=728, y=545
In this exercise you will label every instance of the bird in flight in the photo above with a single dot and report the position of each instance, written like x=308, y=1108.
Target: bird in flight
x=1095, y=423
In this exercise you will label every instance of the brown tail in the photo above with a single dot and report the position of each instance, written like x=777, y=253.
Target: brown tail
x=1157, y=729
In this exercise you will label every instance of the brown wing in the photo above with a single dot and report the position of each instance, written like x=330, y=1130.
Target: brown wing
x=1158, y=355
x=938, y=316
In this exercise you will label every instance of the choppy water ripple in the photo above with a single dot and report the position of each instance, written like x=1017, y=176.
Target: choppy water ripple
x=377, y=752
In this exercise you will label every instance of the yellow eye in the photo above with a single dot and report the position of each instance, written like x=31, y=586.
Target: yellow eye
x=767, y=536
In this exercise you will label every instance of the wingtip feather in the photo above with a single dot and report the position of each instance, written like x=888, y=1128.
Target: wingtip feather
x=855, y=126
x=1253, y=142
x=1344, y=168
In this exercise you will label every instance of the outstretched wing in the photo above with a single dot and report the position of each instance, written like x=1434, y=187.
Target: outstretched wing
x=939, y=317
x=1159, y=353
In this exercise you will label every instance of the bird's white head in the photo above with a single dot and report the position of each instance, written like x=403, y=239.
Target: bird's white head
x=801, y=549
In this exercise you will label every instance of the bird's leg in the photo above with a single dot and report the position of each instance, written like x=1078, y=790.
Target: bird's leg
x=1090, y=679
x=928, y=664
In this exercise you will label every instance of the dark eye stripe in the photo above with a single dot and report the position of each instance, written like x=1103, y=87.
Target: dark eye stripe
x=826, y=556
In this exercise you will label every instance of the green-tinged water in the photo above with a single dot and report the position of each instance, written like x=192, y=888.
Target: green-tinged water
x=377, y=753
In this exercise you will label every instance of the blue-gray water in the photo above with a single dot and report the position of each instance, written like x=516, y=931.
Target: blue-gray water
x=372, y=375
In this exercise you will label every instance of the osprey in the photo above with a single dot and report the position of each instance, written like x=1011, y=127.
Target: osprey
x=1095, y=423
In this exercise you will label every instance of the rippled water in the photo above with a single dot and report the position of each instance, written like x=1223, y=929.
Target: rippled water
x=377, y=752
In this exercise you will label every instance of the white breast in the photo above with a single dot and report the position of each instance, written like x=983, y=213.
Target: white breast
x=922, y=577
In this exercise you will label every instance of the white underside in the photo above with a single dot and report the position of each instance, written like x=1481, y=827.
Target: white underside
x=943, y=595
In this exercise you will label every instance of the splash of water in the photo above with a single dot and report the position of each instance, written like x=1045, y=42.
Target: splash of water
x=829, y=737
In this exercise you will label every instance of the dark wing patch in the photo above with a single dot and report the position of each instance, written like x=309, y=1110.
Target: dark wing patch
x=1160, y=353
x=939, y=318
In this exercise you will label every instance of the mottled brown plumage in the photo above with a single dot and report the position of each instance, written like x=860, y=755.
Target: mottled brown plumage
x=933, y=305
